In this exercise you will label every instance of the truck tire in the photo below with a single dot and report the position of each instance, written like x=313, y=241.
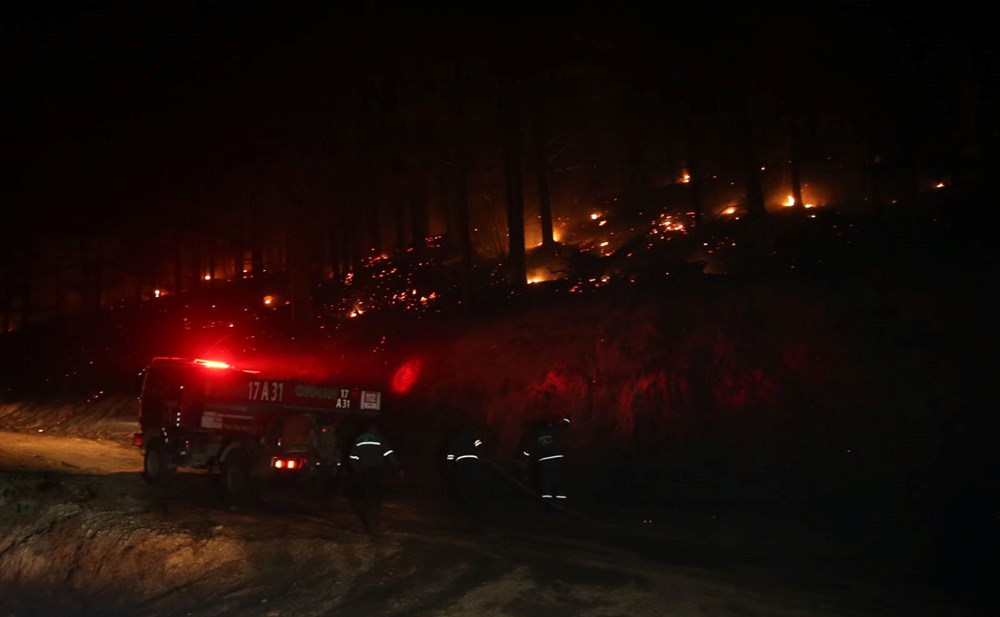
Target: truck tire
x=236, y=482
x=156, y=467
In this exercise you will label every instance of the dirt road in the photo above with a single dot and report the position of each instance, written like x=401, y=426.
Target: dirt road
x=81, y=534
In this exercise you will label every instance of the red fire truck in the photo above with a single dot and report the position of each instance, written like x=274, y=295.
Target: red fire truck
x=246, y=427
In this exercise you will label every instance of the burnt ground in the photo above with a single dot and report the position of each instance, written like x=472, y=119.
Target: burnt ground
x=82, y=534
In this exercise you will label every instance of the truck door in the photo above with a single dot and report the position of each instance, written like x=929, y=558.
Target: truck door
x=160, y=399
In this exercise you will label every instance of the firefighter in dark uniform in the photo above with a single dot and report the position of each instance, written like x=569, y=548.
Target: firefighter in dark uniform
x=369, y=455
x=327, y=454
x=462, y=458
x=544, y=451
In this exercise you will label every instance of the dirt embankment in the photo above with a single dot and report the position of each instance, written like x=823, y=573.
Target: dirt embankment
x=81, y=544
x=110, y=417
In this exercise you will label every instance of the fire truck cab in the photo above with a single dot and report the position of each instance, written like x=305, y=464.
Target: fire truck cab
x=247, y=428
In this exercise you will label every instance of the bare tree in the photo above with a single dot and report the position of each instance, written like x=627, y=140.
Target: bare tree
x=756, y=209
x=6, y=295
x=512, y=160
x=542, y=170
x=795, y=156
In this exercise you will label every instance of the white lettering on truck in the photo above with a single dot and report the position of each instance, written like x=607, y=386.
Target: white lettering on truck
x=266, y=391
x=342, y=396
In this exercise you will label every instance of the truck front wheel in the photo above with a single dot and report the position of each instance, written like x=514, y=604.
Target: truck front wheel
x=237, y=484
x=156, y=468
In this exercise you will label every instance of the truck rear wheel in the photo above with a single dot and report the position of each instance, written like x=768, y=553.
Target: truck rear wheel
x=156, y=468
x=236, y=482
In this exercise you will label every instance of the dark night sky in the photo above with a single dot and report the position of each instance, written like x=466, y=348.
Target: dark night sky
x=106, y=105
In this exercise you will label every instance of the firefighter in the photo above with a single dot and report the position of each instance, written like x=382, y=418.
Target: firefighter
x=327, y=453
x=368, y=458
x=465, y=469
x=543, y=450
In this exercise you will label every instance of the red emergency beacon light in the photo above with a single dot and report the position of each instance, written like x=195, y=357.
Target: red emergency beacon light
x=211, y=363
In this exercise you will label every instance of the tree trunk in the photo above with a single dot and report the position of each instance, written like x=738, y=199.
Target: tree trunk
x=26, y=300
x=211, y=261
x=197, y=275
x=92, y=272
x=399, y=205
x=179, y=263
x=354, y=241
x=542, y=167
x=515, y=196
x=418, y=208
x=6, y=298
x=464, y=234
x=461, y=144
x=871, y=171
x=256, y=247
x=345, y=240
x=694, y=181
x=795, y=154
x=756, y=208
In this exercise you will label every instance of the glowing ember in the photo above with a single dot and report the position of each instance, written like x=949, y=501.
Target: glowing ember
x=208, y=277
x=157, y=293
x=939, y=185
x=268, y=300
x=594, y=216
x=789, y=201
x=540, y=275
x=730, y=210
x=669, y=223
